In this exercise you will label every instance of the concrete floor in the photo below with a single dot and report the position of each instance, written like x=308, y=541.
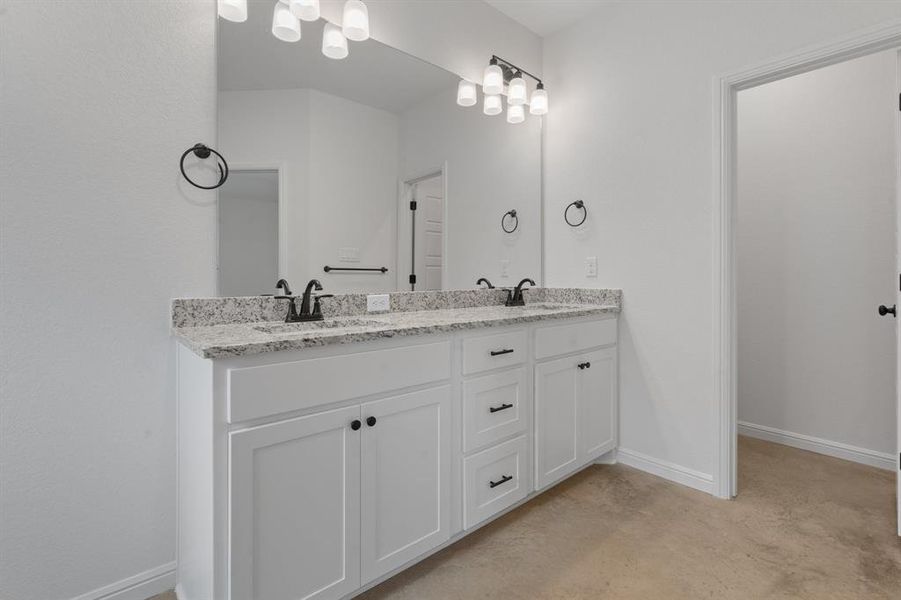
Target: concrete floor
x=803, y=526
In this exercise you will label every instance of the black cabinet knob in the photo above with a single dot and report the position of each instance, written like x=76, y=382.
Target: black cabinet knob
x=884, y=310
x=584, y=365
x=370, y=421
x=355, y=424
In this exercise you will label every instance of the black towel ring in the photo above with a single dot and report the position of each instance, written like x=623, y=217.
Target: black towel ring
x=577, y=204
x=512, y=215
x=202, y=151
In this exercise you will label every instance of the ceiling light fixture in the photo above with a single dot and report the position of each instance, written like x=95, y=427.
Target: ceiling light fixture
x=501, y=74
x=233, y=10
x=285, y=26
x=334, y=44
x=355, y=24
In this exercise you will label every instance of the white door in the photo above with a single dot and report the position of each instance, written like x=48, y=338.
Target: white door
x=597, y=404
x=405, y=487
x=556, y=399
x=295, y=508
x=429, y=248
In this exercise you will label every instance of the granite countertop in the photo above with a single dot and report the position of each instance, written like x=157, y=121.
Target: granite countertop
x=244, y=338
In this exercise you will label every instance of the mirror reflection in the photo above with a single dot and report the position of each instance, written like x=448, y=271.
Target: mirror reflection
x=363, y=172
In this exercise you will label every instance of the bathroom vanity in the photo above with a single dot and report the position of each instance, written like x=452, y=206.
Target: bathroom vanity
x=318, y=460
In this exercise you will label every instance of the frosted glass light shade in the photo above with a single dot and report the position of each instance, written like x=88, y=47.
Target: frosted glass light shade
x=517, y=93
x=233, y=10
x=355, y=23
x=516, y=113
x=285, y=26
x=466, y=93
x=538, y=105
x=493, y=105
x=334, y=44
x=305, y=10
x=492, y=81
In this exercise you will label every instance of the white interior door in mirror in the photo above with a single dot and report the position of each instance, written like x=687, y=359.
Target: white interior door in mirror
x=429, y=247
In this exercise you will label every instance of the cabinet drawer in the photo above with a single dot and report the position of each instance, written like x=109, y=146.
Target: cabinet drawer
x=493, y=351
x=494, y=407
x=260, y=391
x=494, y=480
x=574, y=337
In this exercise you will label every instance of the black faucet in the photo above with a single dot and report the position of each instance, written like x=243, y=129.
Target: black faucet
x=306, y=313
x=486, y=282
x=282, y=284
x=514, y=296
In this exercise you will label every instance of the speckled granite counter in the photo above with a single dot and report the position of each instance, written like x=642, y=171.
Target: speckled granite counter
x=227, y=327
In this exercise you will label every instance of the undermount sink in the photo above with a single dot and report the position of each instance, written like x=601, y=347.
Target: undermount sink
x=313, y=326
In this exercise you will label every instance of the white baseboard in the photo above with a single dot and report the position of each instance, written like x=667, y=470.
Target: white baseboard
x=881, y=460
x=666, y=470
x=137, y=587
x=608, y=458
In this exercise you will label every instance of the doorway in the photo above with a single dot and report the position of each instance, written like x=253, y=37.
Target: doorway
x=249, y=232
x=726, y=214
x=422, y=246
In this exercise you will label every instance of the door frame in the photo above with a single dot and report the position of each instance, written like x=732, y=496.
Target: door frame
x=405, y=194
x=280, y=169
x=725, y=89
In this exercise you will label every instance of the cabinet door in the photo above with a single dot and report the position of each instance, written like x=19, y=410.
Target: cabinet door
x=405, y=486
x=597, y=404
x=295, y=508
x=556, y=393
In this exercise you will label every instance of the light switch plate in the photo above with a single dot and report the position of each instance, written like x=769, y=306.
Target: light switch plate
x=591, y=266
x=505, y=269
x=378, y=303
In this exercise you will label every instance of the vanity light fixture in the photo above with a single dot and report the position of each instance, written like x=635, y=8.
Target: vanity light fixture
x=538, y=105
x=305, y=10
x=493, y=79
x=285, y=26
x=516, y=113
x=492, y=105
x=500, y=74
x=516, y=90
x=334, y=44
x=233, y=10
x=355, y=24
x=466, y=93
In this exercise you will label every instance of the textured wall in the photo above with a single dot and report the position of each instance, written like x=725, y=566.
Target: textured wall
x=631, y=132
x=97, y=233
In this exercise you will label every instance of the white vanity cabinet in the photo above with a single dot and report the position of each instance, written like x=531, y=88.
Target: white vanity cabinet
x=316, y=473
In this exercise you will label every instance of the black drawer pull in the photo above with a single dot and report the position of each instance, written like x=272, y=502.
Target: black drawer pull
x=504, y=351
x=504, y=479
x=495, y=409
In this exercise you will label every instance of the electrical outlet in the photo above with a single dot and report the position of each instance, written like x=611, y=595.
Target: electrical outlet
x=505, y=269
x=591, y=266
x=378, y=303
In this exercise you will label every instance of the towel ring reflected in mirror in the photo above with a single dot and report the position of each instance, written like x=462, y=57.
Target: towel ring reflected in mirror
x=579, y=205
x=202, y=151
x=515, y=219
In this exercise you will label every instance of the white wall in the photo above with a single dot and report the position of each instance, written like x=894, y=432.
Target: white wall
x=816, y=253
x=492, y=167
x=98, y=232
x=631, y=132
x=340, y=162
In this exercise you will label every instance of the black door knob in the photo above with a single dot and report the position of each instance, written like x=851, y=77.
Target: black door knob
x=885, y=310
x=370, y=421
x=355, y=424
